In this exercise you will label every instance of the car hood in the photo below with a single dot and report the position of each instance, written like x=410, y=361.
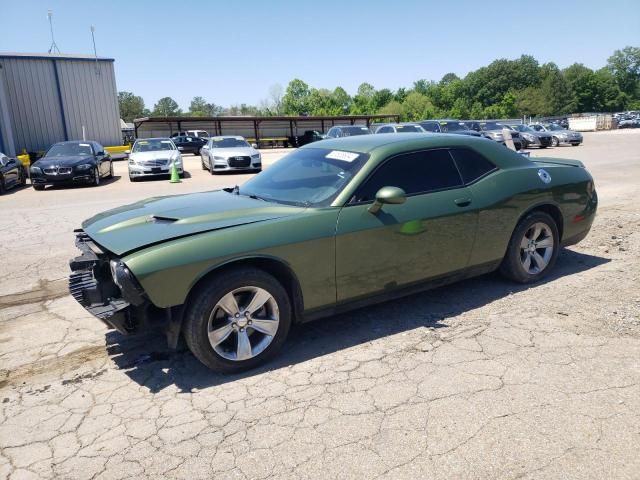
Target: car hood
x=157, y=155
x=233, y=152
x=159, y=219
x=71, y=161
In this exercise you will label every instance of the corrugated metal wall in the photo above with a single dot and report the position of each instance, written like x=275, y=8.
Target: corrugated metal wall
x=90, y=98
x=34, y=108
x=49, y=99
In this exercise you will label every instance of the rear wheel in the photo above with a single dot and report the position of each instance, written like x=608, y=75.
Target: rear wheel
x=555, y=142
x=238, y=320
x=533, y=248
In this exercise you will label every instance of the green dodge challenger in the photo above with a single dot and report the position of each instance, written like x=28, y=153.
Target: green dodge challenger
x=332, y=226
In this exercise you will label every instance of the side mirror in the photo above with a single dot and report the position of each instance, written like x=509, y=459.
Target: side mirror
x=254, y=145
x=388, y=196
x=127, y=152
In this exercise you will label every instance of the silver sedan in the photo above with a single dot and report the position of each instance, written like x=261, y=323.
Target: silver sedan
x=230, y=153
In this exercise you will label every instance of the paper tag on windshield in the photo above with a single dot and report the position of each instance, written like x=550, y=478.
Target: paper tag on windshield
x=345, y=156
x=85, y=145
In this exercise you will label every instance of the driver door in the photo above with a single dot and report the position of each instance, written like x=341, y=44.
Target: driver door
x=429, y=235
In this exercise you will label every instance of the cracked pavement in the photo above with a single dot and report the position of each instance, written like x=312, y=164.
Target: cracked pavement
x=481, y=379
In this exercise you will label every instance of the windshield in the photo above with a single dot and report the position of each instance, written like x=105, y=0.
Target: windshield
x=430, y=126
x=306, y=177
x=153, y=145
x=523, y=128
x=219, y=142
x=453, y=126
x=538, y=128
x=70, y=150
x=491, y=126
x=408, y=128
x=555, y=127
x=351, y=131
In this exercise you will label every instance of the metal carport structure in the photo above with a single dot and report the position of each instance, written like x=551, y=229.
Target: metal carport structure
x=259, y=129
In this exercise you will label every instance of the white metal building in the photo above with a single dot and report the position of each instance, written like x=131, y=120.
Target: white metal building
x=49, y=98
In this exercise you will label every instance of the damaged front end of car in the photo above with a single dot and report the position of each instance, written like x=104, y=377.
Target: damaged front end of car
x=107, y=289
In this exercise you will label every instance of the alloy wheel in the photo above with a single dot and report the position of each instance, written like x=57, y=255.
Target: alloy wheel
x=243, y=323
x=536, y=248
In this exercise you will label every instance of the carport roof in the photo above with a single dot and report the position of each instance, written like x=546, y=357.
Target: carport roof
x=242, y=118
x=54, y=56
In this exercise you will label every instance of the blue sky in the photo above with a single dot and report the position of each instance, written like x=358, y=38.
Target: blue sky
x=231, y=52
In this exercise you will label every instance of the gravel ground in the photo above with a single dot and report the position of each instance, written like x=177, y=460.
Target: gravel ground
x=483, y=379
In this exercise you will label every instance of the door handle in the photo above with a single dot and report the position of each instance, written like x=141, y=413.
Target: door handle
x=462, y=202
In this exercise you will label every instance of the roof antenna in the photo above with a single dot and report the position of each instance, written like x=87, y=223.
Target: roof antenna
x=53, y=48
x=95, y=52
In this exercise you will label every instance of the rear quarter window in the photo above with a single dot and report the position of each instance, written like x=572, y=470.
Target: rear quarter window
x=471, y=164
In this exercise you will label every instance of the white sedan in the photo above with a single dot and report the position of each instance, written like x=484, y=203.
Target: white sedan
x=230, y=153
x=153, y=157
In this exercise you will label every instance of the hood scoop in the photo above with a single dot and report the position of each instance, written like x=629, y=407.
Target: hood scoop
x=161, y=219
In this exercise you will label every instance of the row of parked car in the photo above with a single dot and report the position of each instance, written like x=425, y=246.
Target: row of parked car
x=87, y=162
x=630, y=119
x=524, y=136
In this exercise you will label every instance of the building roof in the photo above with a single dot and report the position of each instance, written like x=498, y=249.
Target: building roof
x=54, y=56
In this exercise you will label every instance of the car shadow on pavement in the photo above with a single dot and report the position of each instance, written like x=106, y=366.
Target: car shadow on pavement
x=147, y=360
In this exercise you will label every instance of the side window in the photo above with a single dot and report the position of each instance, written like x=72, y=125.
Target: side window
x=471, y=164
x=417, y=172
x=385, y=130
x=332, y=133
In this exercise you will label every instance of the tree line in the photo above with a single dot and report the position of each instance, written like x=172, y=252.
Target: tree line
x=502, y=89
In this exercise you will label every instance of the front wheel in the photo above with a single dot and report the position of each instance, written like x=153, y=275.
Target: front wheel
x=38, y=187
x=96, y=177
x=238, y=320
x=533, y=248
x=555, y=142
x=110, y=170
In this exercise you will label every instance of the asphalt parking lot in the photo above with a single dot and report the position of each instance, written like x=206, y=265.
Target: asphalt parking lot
x=483, y=379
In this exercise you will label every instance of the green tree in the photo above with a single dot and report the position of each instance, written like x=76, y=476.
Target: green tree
x=342, y=100
x=166, y=107
x=363, y=100
x=448, y=78
x=296, y=98
x=625, y=66
x=417, y=107
x=556, y=91
x=131, y=106
x=200, y=108
x=381, y=98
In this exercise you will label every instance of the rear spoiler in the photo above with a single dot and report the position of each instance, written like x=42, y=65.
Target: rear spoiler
x=558, y=161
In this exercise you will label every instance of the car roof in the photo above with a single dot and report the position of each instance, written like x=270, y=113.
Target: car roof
x=237, y=137
x=369, y=143
x=155, y=138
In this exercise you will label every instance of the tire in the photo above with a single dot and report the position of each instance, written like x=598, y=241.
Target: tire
x=132, y=179
x=110, y=170
x=38, y=187
x=514, y=264
x=202, y=164
x=555, y=142
x=575, y=144
x=2, y=187
x=544, y=146
x=23, y=178
x=204, y=315
x=96, y=177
